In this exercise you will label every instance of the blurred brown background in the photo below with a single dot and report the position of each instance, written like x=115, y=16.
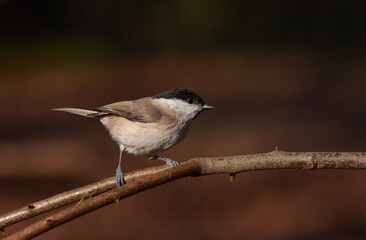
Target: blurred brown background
x=280, y=73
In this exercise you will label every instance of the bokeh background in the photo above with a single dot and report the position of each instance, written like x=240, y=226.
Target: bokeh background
x=280, y=73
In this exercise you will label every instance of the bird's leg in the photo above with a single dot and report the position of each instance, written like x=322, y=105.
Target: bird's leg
x=119, y=174
x=166, y=160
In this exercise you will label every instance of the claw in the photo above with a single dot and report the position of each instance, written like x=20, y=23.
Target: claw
x=172, y=162
x=169, y=161
x=166, y=160
x=119, y=177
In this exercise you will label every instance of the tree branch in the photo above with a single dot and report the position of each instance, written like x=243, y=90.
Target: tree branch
x=65, y=198
x=199, y=167
x=112, y=196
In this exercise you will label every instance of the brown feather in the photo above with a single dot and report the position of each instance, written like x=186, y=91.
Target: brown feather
x=140, y=110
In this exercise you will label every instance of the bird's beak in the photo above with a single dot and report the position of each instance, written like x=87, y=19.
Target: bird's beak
x=207, y=107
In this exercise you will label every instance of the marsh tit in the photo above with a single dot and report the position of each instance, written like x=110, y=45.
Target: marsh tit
x=150, y=125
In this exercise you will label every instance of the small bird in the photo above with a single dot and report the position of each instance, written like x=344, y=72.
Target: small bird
x=149, y=125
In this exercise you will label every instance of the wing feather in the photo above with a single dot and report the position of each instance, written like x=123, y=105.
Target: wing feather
x=140, y=110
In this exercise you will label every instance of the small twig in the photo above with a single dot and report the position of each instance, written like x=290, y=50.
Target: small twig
x=232, y=177
x=3, y=232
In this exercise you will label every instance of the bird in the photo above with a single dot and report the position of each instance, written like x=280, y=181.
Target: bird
x=149, y=125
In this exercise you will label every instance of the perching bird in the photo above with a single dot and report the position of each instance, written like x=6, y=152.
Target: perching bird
x=150, y=125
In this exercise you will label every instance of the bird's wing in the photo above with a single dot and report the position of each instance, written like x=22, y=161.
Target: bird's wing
x=137, y=111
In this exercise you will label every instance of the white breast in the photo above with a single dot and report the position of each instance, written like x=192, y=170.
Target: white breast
x=145, y=138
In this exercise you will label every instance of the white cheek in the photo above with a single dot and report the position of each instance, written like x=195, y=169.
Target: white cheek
x=185, y=109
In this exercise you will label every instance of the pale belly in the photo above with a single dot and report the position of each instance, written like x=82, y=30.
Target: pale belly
x=144, y=138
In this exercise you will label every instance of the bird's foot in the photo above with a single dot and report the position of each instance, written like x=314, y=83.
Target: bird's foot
x=119, y=177
x=169, y=161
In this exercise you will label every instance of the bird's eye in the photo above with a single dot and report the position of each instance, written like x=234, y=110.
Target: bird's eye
x=189, y=100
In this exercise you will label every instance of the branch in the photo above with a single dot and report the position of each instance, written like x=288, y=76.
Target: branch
x=199, y=167
x=65, y=198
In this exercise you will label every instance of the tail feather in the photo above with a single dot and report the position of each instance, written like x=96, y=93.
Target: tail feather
x=81, y=112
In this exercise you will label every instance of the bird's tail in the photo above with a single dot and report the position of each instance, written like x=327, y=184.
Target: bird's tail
x=81, y=112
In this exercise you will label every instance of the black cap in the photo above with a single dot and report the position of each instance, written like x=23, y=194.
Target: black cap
x=182, y=94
